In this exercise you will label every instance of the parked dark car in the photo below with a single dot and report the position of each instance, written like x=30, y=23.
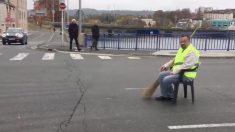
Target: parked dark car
x=14, y=35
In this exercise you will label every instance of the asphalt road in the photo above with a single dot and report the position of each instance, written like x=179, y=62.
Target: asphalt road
x=60, y=94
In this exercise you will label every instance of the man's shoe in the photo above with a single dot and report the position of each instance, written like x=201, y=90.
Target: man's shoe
x=162, y=98
x=79, y=49
x=91, y=48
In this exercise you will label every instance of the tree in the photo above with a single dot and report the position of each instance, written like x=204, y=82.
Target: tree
x=169, y=18
x=206, y=24
x=199, y=15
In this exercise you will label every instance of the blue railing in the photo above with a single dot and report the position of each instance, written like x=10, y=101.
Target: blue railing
x=202, y=41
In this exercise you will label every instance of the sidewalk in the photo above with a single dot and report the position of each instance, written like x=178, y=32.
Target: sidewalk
x=206, y=54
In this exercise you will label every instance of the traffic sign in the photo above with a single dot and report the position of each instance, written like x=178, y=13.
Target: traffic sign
x=62, y=6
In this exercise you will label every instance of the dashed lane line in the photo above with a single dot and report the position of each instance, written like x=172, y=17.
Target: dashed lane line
x=201, y=126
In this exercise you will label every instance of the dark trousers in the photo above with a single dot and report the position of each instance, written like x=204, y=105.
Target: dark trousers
x=71, y=42
x=94, y=43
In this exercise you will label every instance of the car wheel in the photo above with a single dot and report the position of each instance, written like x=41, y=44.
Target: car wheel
x=3, y=42
x=26, y=41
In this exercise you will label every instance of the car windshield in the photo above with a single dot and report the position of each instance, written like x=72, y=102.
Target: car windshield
x=11, y=30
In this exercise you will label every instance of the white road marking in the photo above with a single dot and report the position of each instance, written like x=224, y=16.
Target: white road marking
x=134, y=58
x=134, y=88
x=76, y=57
x=202, y=126
x=48, y=56
x=105, y=57
x=34, y=47
x=20, y=56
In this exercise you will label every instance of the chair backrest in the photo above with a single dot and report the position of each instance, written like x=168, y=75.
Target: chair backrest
x=187, y=70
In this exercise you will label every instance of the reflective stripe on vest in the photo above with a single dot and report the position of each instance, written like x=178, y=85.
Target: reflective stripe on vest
x=179, y=60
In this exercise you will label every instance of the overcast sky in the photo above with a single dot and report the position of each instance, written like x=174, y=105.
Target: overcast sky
x=147, y=4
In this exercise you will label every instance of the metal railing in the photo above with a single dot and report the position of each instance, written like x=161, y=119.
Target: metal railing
x=202, y=41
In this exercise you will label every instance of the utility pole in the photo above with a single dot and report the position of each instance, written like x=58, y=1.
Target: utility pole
x=17, y=16
x=67, y=12
x=80, y=16
x=53, y=12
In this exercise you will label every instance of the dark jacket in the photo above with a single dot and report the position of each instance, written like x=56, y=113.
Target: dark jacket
x=73, y=30
x=95, y=32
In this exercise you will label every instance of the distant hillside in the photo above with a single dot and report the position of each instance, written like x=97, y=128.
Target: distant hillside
x=91, y=12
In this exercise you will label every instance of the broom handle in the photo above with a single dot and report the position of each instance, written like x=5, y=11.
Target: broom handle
x=194, y=32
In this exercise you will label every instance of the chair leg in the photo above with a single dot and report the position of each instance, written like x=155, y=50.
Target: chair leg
x=176, y=88
x=192, y=90
x=185, y=91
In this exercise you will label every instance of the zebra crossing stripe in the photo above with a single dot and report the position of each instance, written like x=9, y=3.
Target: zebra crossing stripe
x=134, y=58
x=105, y=57
x=48, y=56
x=76, y=57
x=20, y=56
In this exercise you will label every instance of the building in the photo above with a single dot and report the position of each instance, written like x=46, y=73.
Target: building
x=188, y=24
x=44, y=10
x=13, y=13
x=222, y=23
x=218, y=14
x=149, y=22
x=21, y=13
x=231, y=27
x=204, y=9
x=7, y=15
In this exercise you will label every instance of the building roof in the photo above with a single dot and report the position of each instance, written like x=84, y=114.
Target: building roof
x=219, y=12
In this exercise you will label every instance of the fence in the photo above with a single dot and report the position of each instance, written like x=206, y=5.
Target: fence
x=202, y=41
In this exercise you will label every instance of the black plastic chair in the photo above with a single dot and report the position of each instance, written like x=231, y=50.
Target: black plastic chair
x=185, y=83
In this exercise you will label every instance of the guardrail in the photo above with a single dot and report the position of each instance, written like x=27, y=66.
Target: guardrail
x=202, y=41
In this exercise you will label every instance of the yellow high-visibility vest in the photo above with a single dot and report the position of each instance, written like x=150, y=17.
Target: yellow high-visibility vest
x=179, y=60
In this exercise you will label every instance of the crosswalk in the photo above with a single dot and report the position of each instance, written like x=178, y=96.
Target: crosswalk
x=20, y=56
x=48, y=56
x=73, y=56
x=76, y=57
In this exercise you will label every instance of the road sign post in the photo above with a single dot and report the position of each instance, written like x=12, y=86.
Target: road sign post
x=62, y=6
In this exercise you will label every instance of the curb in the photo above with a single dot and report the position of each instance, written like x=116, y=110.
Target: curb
x=131, y=54
x=172, y=54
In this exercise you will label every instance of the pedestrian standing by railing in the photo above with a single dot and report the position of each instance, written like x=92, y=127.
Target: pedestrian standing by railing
x=95, y=36
x=73, y=34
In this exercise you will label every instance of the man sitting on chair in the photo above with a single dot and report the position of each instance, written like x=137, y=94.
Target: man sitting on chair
x=187, y=57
